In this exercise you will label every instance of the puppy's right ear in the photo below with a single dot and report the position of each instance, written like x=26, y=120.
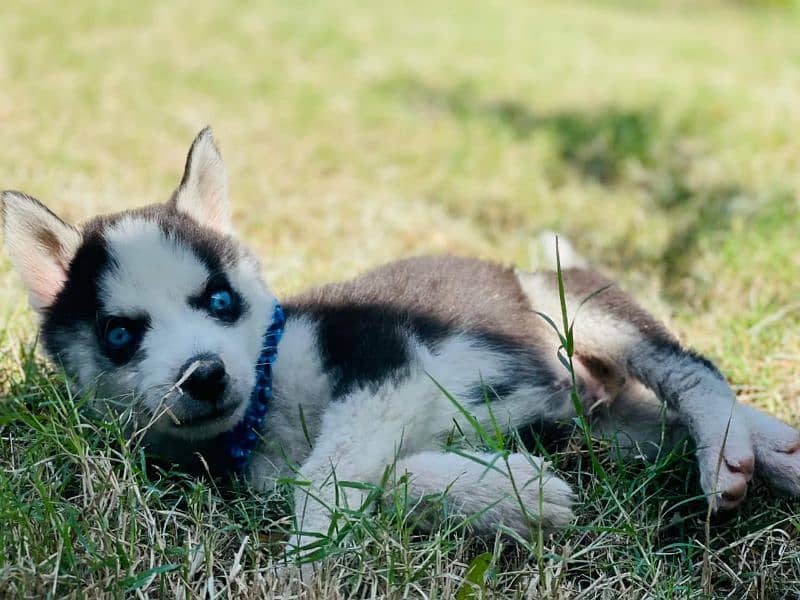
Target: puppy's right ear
x=40, y=244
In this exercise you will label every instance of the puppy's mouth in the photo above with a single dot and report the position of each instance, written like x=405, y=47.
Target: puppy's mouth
x=194, y=417
x=215, y=416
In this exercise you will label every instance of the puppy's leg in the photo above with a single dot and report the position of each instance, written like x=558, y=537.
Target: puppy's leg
x=488, y=491
x=641, y=425
x=777, y=449
x=638, y=423
x=352, y=445
x=614, y=338
x=694, y=388
x=368, y=431
x=360, y=436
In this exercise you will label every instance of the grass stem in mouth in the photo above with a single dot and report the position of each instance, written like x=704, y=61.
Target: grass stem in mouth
x=175, y=387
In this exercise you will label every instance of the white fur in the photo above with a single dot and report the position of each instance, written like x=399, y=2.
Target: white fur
x=300, y=386
x=567, y=255
x=488, y=490
x=593, y=329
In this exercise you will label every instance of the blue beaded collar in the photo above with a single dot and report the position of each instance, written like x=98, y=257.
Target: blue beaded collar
x=240, y=441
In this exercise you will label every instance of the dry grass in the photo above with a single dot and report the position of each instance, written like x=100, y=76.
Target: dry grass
x=660, y=138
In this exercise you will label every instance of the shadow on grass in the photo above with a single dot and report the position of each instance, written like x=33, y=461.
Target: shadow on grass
x=613, y=147
x=695, y=216
x=596, y=144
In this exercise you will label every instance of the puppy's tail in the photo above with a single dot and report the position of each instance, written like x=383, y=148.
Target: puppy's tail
x=566, y=251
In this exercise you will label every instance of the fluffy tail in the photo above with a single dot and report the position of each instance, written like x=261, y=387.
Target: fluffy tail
x=569, y=256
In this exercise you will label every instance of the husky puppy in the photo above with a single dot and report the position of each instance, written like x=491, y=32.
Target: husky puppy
x=163, y=312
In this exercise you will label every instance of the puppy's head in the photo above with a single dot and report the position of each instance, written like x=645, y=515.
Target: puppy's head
x=159, y=309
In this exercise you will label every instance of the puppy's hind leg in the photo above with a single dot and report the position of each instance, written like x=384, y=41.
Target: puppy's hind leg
x=612, y=333
x=638, y=423
x=486, y=490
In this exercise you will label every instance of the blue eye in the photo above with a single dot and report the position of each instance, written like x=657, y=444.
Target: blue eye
x=118, y=337
x=220, y=301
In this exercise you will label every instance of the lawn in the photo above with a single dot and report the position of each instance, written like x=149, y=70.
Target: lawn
x=660, y=137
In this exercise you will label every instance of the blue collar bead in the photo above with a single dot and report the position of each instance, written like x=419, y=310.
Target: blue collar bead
x=240, y=441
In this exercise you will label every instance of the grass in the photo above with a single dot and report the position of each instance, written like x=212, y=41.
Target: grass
x=660, y=137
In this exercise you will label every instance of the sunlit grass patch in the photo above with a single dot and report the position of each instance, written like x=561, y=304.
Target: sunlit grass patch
x=661, y=138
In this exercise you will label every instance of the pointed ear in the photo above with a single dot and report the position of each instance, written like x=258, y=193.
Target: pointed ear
x=203, y=192
x=40, y=244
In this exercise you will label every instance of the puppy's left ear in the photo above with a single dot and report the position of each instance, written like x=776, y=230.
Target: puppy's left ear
x=203, y=191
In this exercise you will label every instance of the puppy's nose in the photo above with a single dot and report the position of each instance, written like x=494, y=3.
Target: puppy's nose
x=208, y=379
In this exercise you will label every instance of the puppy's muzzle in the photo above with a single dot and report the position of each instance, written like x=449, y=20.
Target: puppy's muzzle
x=207, y=381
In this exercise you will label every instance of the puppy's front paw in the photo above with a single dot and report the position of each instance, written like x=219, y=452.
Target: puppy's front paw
x=545, y=497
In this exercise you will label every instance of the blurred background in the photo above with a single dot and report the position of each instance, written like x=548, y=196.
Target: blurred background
x=660, y=137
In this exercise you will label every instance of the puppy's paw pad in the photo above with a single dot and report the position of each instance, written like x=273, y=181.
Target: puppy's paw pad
x=780, y=468
x=777, y=450
x=744, y=465
x=725, y=481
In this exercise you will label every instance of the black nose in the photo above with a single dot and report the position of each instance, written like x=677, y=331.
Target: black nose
x=208, y=379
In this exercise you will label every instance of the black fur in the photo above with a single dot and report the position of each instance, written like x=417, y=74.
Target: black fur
x=215, y=251
x=703, y=361
x=524, y=367
x=666, y=352
x=136, y=325
x=77, y=303
x=360, y=345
